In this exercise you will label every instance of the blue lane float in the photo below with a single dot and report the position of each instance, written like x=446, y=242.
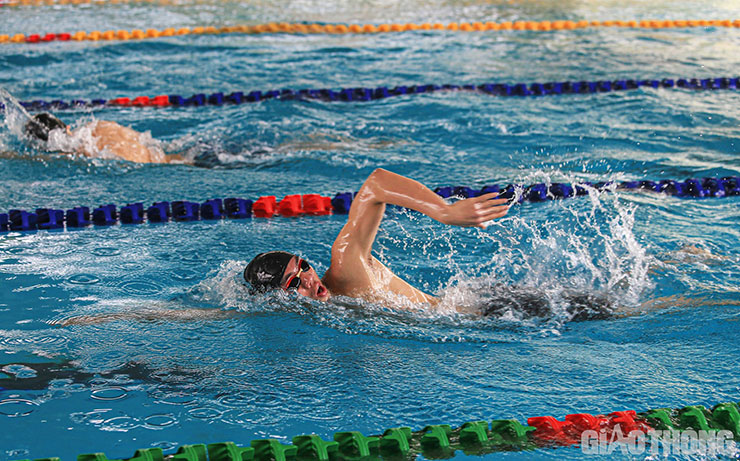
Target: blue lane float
x=362, y=94
x=314, y=204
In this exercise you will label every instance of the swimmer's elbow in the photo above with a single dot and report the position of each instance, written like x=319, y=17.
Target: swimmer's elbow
x=378, y=177
x=379, y=172
x=374, y=185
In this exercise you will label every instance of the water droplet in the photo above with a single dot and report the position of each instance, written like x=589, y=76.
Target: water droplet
x=120, y=423
x=237, y=399
x=131, y=266
x=83, y=279
x=19, y=371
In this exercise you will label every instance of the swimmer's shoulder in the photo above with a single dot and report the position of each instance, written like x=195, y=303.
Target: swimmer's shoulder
x=126, y=143
x=346, y=275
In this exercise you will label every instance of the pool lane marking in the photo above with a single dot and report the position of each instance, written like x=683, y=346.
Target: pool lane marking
x=355, y=94
x=314, y=29
x=317, y=205
x=693, y=428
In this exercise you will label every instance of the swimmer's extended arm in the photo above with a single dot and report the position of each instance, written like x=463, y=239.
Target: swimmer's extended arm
x=153, y=313
x=383, y=187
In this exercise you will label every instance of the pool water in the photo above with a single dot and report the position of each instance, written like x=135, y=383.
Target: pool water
x=126, y=337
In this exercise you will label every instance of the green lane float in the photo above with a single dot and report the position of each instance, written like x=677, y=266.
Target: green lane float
x=479, y=437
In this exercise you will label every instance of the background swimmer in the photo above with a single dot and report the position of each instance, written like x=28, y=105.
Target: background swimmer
x=107, y=138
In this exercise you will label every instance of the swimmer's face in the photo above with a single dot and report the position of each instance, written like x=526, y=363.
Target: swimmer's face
x=301, y=277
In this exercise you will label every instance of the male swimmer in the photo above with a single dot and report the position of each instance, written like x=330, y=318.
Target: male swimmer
x=107, y=138
x=353, y=270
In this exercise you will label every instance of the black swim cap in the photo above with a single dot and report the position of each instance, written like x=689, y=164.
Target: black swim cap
x=266, y=270
x=41, y=124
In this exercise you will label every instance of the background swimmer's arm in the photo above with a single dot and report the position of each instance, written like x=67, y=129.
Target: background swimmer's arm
x=17, y=155
x=383, y=187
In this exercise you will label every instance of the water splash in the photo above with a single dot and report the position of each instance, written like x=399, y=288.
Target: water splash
x=15, y=118
x=588, y=252
x=528, y=272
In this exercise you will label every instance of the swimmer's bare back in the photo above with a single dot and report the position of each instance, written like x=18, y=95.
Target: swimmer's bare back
x=127, y=144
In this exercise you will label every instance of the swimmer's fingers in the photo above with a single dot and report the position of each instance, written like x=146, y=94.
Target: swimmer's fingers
x=474, y=211
x=488, y=196
x=488, y=200
x=494, y=213
x=492, y=205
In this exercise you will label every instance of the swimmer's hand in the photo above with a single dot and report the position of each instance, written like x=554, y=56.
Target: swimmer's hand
x=476, y=211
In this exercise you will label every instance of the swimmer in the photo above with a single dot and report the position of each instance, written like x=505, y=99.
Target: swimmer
x=354, y=271
x=108, y=138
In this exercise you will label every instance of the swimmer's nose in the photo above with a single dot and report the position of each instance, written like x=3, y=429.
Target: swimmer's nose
x=308, y=281
x=313, y=285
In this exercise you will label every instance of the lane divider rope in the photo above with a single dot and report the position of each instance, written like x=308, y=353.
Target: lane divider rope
x=301, y=29
x=383, y=92
x=318, y=205
x=440, y=441
x=22, y=3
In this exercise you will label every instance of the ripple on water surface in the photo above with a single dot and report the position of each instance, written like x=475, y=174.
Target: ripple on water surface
x=141, y=287
x=283, y=360
x=109, y=393
x=173, y=397
x=106, y=251
x=205, y=412
x=159, y=421
x=184, y=274
x=16, y=407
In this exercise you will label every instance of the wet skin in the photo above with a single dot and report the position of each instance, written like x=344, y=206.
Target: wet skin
x=354, y=271
x=310, y=286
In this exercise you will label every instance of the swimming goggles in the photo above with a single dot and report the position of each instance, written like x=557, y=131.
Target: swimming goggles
x=295, y=281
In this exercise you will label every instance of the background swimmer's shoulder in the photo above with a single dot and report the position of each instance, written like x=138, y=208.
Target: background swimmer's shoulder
x=125, y=143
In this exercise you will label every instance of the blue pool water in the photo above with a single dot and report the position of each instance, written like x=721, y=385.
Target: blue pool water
x=176, y=351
